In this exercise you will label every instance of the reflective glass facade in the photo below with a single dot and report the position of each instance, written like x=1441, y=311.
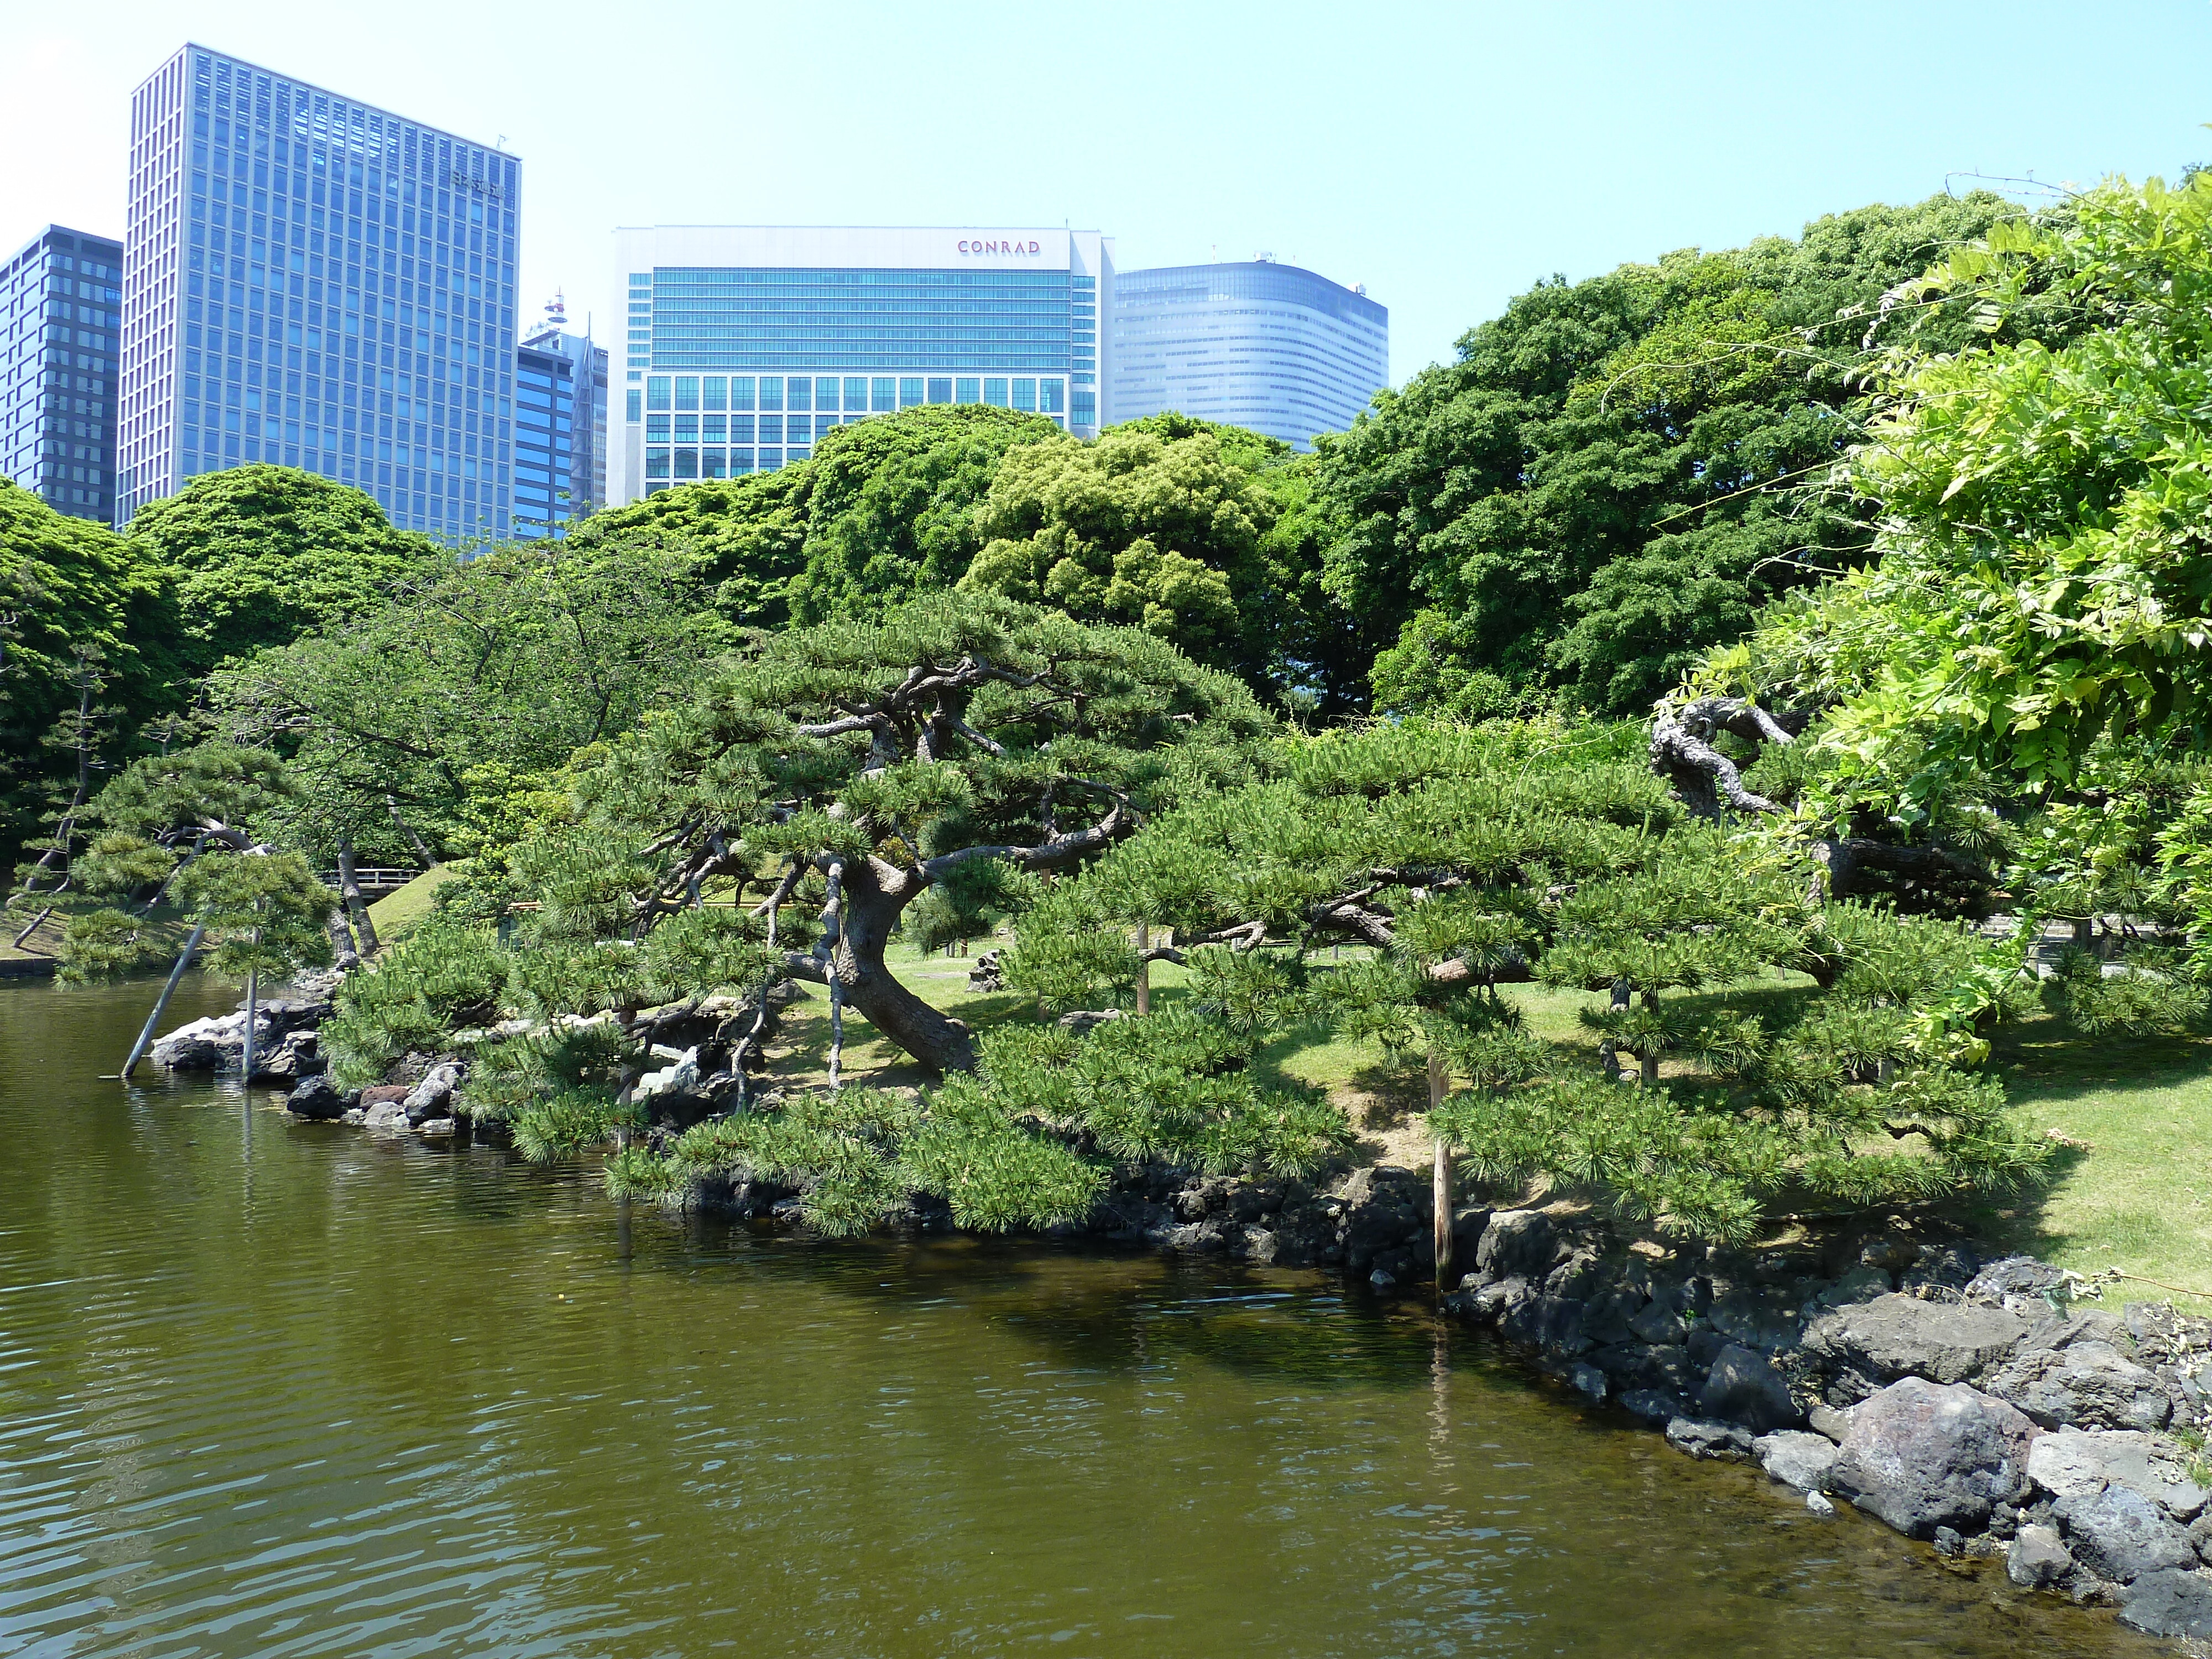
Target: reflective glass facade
x=316, y=283
x=560, y=413
x=1256, y=345
x=745, y=345
x=61, y=300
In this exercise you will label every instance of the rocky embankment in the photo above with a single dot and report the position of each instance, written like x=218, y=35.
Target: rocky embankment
x=1964, y=1397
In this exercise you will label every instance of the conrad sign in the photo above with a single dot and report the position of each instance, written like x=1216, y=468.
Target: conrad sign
x=1001, y=245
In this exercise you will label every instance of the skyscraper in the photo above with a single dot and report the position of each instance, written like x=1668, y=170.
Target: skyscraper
x=560, y=426
x=1254, y=344
x=61, y=300
x=311, y=281
x=748, y=342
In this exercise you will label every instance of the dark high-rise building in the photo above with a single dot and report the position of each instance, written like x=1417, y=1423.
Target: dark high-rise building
x=560, y=426
x=311, y=281
x=1254, y=344
x=61, y=300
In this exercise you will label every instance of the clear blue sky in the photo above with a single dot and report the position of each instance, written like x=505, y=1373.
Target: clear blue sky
x=1447, y=156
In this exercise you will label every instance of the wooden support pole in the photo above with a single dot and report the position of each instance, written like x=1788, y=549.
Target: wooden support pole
x=162, y=1002
x=1441, y=1178
x=1144, y=968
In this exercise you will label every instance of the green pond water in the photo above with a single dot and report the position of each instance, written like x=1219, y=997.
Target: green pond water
x=277, y=1389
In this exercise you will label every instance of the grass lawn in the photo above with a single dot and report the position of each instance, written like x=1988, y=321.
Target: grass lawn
x=2139, y=1199
x=396, y=914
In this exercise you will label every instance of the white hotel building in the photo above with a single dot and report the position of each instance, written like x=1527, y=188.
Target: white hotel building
x=746, y=344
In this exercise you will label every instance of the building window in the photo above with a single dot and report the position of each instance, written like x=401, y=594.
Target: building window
x=656, y=392
x=656, y=428
x=1085, y=412
x=711, y=427
x=825, y=393
x=822, y=423
x=632, y=402
x=741, y=392
x=687, y=463
x=968, y=390
x=712, y=464
x=656, y=463
x=802, y=391
x=856, y=394
x=741, y=460
x=771, y=429
x=941, y=390
x=741, y=428
x=713, y=392
x=1026, y=395
x=1050, y=393
x=769, y=460
x=687, y=392
x=687, y=429
x=771, y=391
x=995, y=393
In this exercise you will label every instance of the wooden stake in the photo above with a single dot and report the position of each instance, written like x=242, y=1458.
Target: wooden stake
x=1144, y=970
x=1441, y=1180
x=162, y=1002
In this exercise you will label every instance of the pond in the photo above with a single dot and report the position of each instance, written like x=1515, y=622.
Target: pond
x=275, y=1388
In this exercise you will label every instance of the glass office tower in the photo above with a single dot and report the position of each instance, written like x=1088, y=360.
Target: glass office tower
x=747, y=344
x=61, y=300
x=1256, y=345
x=560, y=415
x=316, y=283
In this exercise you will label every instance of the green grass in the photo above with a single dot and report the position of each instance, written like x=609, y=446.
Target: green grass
x=396, y=914
x=2139, y=1198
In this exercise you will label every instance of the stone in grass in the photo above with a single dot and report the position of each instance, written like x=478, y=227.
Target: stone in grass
x=1796, y=1458
x=2038, y=1558
x=1921, y=1454
x=1704, y=1437
x=317, y=1099
x=2118, y=1534
x=2170, y=1603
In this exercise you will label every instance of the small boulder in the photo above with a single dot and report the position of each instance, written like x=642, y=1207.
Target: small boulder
x=2118, y=1534
x=2088, y=1384
x=1743, y=1387
x=2170, y=1603
x=433, y=1096
x=1895, y=1336
x=2037, y=1558
x=317, y=1099
x=1518, y=1245
x=1703, y=1437
x=387, y=1117
x=1921, y=1454
x=2018, y=1284
x=1796, y=1458
x=437, y=1129
x=2072, y=1463
x=1652, y=1404
x=384, y=1094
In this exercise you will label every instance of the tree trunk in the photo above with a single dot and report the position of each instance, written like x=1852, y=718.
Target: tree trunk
x=357, y=907
x=162, y=1002
x=342, y=947
x=869, y=913
x=422, y=852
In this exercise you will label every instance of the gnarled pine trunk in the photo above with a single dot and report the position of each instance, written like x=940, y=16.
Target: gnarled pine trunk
x=875, y=895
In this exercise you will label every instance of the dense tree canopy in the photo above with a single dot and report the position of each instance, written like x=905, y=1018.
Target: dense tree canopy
x=1586, y=500
x=261, y=554
x=86, y=620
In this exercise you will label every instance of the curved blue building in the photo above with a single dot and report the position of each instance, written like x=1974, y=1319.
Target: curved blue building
x=1253, y=343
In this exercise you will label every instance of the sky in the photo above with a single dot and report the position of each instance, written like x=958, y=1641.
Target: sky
x=1446, y=156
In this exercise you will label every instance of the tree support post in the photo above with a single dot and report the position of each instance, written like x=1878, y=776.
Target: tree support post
x=1144, y=970
x=1441, y=1178
x=162, y=1005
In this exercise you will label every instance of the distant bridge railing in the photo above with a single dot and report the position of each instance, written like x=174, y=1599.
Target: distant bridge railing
x=374, y=878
